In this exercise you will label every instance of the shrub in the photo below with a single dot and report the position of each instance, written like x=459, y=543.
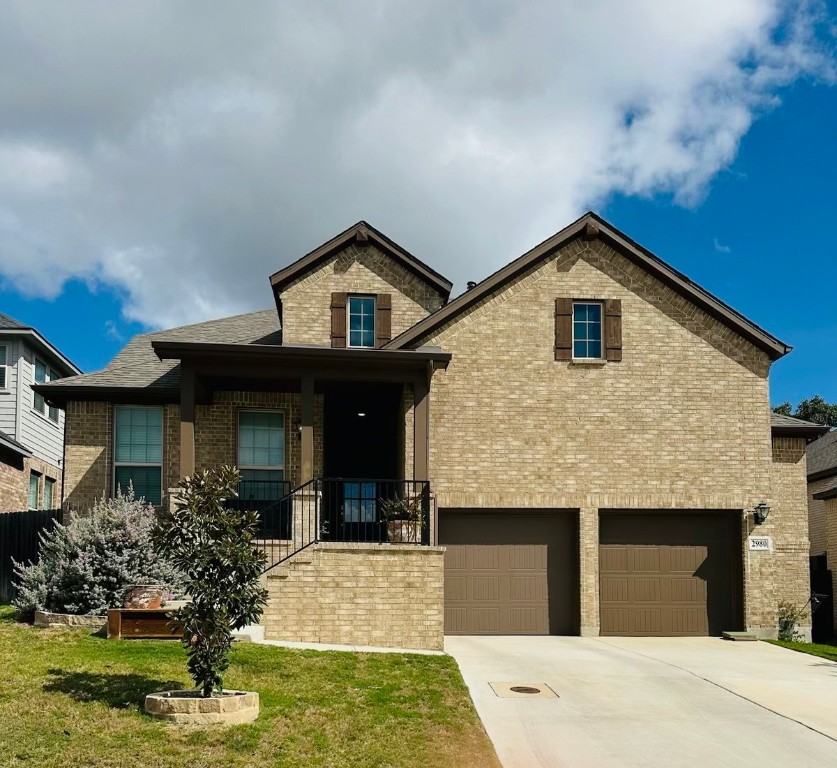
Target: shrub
x=213, y=545
x=789, y=616
x=87, y=565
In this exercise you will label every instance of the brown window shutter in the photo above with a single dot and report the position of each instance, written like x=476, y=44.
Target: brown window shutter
x=613, y=330
x=563, y=329
x=383, y=319
x=338, y=319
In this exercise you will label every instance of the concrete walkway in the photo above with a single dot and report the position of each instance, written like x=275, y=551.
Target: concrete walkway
x=650, y=702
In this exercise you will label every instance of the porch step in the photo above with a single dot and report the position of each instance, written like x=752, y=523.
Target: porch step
x=739, y=636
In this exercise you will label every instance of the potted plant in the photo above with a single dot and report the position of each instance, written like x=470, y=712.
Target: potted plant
x=403, y=518
x=212, y=543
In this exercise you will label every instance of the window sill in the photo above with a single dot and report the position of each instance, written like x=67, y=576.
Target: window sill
x=45, y=418
x=588, y=361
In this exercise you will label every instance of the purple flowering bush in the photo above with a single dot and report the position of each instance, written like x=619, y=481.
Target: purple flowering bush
x=86, y=566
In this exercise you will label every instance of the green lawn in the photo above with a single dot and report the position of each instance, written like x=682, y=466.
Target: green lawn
x=824, y=651
x=68, y=698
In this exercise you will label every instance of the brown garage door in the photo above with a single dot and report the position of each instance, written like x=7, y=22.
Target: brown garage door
x=668, y=574
x=509, y=572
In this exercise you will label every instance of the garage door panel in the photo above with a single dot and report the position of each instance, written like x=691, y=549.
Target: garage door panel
x=666, y=573
x=519, y=571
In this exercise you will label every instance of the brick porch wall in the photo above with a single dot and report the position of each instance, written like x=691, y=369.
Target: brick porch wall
x=359, y=594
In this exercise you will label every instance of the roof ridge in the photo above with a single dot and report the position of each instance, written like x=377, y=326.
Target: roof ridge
x=203, y=322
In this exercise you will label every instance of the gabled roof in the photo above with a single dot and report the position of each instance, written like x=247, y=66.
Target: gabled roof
x=790, y=426
x=12, y=327
x=362, y=233
x=822, y=457
x=591, y=225
x=137, y=369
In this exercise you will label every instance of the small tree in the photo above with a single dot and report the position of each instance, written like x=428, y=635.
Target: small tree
x=213, y=545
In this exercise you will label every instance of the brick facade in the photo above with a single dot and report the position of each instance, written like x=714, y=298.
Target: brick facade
x=14, y=482
x=817, y=520
x=831, y=545
x=306, y=303
x=359, y=594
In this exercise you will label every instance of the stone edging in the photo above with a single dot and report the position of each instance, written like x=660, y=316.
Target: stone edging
x=47, y=619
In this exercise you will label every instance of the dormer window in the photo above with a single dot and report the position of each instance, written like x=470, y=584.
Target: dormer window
x=361, y=311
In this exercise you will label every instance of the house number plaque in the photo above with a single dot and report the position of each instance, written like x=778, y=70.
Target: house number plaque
x=760, y=544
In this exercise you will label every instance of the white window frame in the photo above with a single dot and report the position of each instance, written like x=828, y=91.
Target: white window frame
x=590, y=302
x=50, y=374
x=284, y=439
x=374, y=300
x=4, y=386
x=138, y=463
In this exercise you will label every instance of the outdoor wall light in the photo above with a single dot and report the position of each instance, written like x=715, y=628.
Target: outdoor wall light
x=761, y=512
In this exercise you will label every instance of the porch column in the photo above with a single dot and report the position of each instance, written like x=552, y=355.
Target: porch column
x=421, y=427
x=307, y=429
x=187, y=420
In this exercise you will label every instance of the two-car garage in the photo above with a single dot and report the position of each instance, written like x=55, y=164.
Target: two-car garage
x=663, y=573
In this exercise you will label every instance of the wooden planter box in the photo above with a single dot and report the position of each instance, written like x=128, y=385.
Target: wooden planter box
x=150, y=623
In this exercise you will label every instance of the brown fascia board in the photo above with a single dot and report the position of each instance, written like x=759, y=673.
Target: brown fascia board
x=59, y=396
x=811, y=431
x=823, y=474
x=590, y=225
x=363, y=230
x=180, y=350
x=830, y=493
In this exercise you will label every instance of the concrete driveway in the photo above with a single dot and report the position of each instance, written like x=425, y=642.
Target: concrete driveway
x=651, y=702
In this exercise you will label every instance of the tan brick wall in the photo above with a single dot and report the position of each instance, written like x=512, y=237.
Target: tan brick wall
x=359, y=594
x=14, y=483
x=306, y=304
x=817, y=526
x=681, y=423
x=87, y=453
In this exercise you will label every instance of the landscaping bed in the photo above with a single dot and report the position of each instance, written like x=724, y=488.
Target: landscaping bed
x=70, y=698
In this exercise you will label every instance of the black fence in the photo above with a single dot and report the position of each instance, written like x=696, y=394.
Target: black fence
x=19, y=533
x=822, y=615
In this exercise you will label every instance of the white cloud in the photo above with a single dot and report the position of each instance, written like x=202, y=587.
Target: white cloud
x=180, y=153
x=720, y=247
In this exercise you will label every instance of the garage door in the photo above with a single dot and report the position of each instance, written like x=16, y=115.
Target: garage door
x=508, y=572
x=668, y=574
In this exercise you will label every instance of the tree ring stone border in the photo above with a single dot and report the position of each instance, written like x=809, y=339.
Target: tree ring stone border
x=190, y=708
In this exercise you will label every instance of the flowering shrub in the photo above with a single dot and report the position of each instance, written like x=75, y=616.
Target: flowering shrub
x=87, y=565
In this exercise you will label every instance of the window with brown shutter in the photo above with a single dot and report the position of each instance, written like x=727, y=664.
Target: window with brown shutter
x=338, y=319
x=613, y=330
x=383, y=319
x=563, y=329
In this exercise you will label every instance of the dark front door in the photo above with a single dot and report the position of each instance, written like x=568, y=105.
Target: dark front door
x=362, y=456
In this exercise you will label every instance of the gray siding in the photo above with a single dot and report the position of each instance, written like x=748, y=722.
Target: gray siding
x=8, y=395
x=42, y=436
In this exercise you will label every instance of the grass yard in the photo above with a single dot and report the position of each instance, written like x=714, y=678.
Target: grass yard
x=68, y=698
x=815, y=649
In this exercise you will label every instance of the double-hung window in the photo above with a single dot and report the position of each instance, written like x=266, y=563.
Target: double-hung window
x=34, y=481
x=361, y=314
x=261, y=454
x=49, y=493
x=587, y=330
x=138, y=451
x=4, y=362
x=43, y=374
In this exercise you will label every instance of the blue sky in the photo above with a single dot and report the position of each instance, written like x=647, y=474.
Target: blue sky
x=148, y=184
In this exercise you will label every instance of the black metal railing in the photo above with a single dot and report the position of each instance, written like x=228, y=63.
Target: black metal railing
x=271, y=499
x=376, y=511
x=343, y=510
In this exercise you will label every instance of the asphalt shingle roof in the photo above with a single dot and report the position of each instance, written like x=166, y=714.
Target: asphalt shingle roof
x=137, y=365
x=9, y=323
x=14, y=445
x=780, y=420
x=822, y=453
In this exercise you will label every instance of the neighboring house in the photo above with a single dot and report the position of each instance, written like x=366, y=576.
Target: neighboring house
x=31, y=431
x=822, y=503
x=586, y=432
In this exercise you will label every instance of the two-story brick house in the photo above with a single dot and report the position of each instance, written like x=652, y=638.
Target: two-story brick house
x=31, y=431
x=586, y=435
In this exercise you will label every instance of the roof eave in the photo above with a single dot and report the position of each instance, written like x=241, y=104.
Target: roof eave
x=68, y=364
x=15, y=447
x=829, y=493
x=809, y=432
x=58, y=395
